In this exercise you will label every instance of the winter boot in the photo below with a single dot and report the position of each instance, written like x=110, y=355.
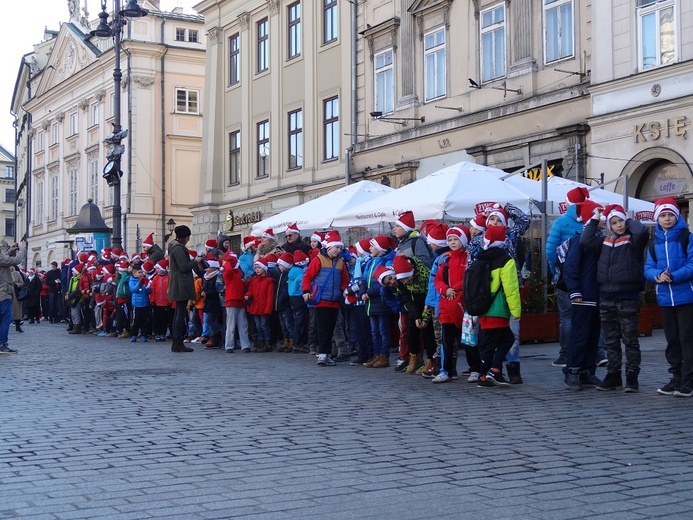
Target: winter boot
x=382, y=362
x=588, y=379
x=433, y=370
x=18, y=326
x=514, y=376
x=76, y=329
x=179, y=346
x=572, y=379
x=427, y=366
x=612, y=381
x=289, y=346
x=373, y=361
x=415, y=362
x=632, y=381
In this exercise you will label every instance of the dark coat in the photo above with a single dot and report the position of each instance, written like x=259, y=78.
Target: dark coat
x=34, y=286
x=298, y=244
x=580, y=272
x=155, y=253
x=181, y=285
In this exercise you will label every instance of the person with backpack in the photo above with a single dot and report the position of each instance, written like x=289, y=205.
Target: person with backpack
x=495, y=273
x=620, y=278
x=669, y=265
x=409, y=242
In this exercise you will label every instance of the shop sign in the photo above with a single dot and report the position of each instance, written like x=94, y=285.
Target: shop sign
x=675, y=127
x=644, y=215
x=243, y=219
x=482, y=206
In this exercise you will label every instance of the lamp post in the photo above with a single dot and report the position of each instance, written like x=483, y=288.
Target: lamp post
x=112, y=172
x=171, y=225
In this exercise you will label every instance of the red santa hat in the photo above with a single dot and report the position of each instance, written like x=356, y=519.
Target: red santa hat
x=668, y=205
x=230, y=261
x=214, y=264
x=82, y=257
x=382, y=271
x=106, y=253
x=436, y=234
x=148, y=266
x=461, y=232
x=77, y=269
x=108, y=269
x=91, y=266
x=317, y=236
x=115, y=254
x=292, y=228
x=248, y=241
x=497, y=211
x=124, y=256
x=479, y=222
x=271, y=260
x=403, y=267
x=268, y=233
x=261, y=263
x=614, y=210
x=122, y=265
x=286, y=260
x=300, y=258
x=576, y=195
x=333, y=239
x=149, y=241
x=381, y=243
x=162, y=265
x=494, y=236
x=585, y=210
x=406, y=221
x=362, y=246
x=211, y=244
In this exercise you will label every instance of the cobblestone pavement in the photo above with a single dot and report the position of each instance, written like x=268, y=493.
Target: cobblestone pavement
x=103, y=428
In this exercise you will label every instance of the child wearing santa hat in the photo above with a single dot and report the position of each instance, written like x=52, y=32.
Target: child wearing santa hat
x=669, y=265
x=620, y=278
x=282, y=304
x=260, y=301
x=298, y=305
x=140, y=290
x=162, y=313
x=234, y=303
x=409, y=242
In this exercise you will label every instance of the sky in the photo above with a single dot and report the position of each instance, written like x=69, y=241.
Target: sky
x=21, y=26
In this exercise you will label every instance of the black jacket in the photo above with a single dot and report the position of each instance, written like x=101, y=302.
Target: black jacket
x=580, y=271
x=51, y=277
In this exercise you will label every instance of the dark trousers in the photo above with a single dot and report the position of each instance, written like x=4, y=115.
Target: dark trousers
x=620, y=323
x=678, y=331
x=179, y=315
x=312, y=328
x=160, y=320
x=584, y=339
x=141, y=324
x=416, y=337
x=263, y=327
x=326, y=318
x=53, y=306
x=359, y=330
x=123, y=316
x=44, y=306
x=298, y=308
x=286, y=320
x=451, y=341
x=494, y=345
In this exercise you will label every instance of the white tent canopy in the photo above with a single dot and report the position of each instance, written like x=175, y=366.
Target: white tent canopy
x=454, y=192
x=319, y=212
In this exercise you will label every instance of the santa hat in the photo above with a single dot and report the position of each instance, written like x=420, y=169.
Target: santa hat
x=108, y=269
x=115, y=254
x=576, y=195
x=211, y=244
x=78, y=269
x=614, y=210
x=271, y=260
x=162, y=265
x=405, y=220
x=362, y=246
x=333, y=239
x=585, y=210
x=148, y=266
x=122, y=265
x=268, y=233
x=317, y=236
x=124, y=256
x=497, y=211
x=300, y=258
x=106, y=253
x=149, y=241
x=66, y=261
x=192, y=254
x=91, y=266
x=461, y=232
x=292, y=228
x=286, y=260
x=261, y=263
x=478, y=222
x=436, y=234
x=381, y=243
x=667, y=204
x=248, y=241
x=82, y=257
x=403, y=267
x=381, y=272
x=214, y=264
x=231, y=261
x=313, y=253
x=494, y=236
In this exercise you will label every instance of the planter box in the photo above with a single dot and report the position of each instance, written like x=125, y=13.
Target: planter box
x=539, y=327
x=655, y=312
x=646, y=320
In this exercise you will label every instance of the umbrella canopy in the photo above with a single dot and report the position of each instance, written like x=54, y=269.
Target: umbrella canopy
x=319, y=213
x=457, y=191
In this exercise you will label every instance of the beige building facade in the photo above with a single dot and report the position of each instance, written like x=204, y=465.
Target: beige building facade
x=7, y=196
x=278, y=77
x=65, y=107
x=642, y=99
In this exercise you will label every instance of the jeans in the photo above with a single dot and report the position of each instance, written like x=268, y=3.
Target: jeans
x=286, y=320
x=565, y=313
x=380, y=332
x=298, y=307
x=264, y=331
x=236, y=318
x=582, y=347
x=513, y=355
x=210, y=325
x=5, y=320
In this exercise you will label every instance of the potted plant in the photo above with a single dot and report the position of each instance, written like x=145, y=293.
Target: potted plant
x=539, y=320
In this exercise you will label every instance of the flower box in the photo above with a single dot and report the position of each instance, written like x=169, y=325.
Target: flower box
x=543, y=327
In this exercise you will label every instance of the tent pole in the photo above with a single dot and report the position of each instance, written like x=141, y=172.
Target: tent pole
x=544, y=231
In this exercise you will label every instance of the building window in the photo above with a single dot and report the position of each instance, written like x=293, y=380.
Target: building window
x=434, y=64
x=94, y=181
x=9, y=172
x=234, y=157
x=39, y=141
x=330, y=23
x=262, y=45
x=234, y=59
x=54, y=133
x=9, y=227
x=294, y=29
x=331, y=128
x=493, y=43
x=180, y=35
x=656, y=33
x=54, y=198
x=112, y=104
x=74, y=123
x=39, y=203
x=186, y=101
x=94, y=114
x=384, y=82
x=558, y=29
x=295, y=139
x=72, y=201
x=192, y=36
x=9, y=195
x=263, y=149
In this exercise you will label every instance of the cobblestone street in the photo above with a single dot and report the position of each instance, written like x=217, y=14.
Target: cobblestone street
x=102, y=428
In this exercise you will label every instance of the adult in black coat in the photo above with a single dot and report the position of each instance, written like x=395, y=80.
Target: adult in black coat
x=33, y=304
x=294, y=242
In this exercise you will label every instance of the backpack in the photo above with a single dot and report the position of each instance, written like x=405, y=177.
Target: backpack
x=683, y=240
x=476, y=288
x=219, y=284
x=561, y=253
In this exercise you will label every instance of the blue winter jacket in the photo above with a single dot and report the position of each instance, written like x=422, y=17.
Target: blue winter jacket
x=246, y=261
x=433, y=296
x=295, y=280
x=375, y=306
x=670, y=254
x=139, y=293
x=565, y=227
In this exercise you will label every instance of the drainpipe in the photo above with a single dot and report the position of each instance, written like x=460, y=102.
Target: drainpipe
x=354, y=101
x=128, y=203
x=163, y=135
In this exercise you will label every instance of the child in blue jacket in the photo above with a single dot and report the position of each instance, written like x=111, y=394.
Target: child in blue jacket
x=140, y=288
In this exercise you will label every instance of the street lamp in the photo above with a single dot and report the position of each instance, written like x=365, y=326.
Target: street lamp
x=112, y=172
x=171, y=225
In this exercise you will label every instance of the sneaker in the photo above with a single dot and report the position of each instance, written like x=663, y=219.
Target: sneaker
x=612, y=381
x=246, y=350
x=589, y=380
x=473, y=377
x=602, y=362
x=325, y=361
x=5, y=349
x=559, y=362
x=102, y=334
x=484, y=382
x=685, y=389
x=441, y=378
x=572, y=380
x=401, y=365
x=632, y=382
x=670, y=388
x=342, y=358
x=143, y=339
x=229, y=351
x=358, y=362
x=133, y=339
x=453, y=375
x=468, y=372
x=496, y=378
x=431, y=373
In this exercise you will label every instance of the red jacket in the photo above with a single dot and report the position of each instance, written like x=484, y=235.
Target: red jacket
x=260, y=295
x=233, y=281
x=159, y=296
x=319, y=263
x=450, y=274
x=85, y=285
